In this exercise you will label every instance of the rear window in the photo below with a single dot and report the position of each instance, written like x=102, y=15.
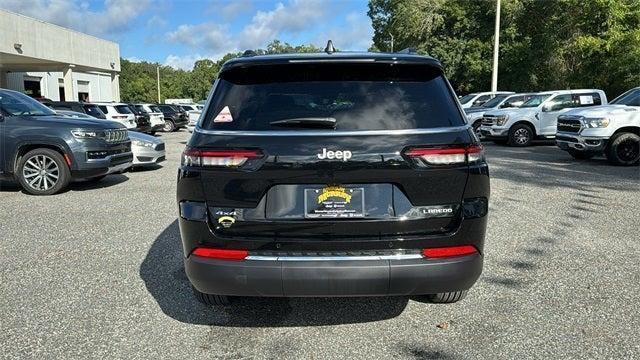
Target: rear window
x=358, y=97
x=93, y=110
x=166, y=108
x=123, y=109
x=155, y=108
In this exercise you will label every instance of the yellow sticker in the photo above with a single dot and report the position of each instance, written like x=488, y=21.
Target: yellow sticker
x=226, y=221
x=334, y=191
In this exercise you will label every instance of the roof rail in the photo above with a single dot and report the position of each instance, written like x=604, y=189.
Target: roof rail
x=249, y=53
x=408, y=50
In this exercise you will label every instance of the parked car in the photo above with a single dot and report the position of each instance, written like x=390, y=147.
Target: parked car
x=193, y=113
x=44, y=151
x=477, y=99
x=86, y=108
x=174, y=118
x=501, y=101
x=536, y=118
x=301, y=183
x=612, y=129
x=156, y=118
x=119, y=112
x=143, y=120
x=147, y=149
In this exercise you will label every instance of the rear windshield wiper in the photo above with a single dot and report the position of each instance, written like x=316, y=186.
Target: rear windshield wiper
x=306, y=122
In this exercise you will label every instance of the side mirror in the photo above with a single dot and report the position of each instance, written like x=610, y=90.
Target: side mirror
x=547, y=108
x=506, y=105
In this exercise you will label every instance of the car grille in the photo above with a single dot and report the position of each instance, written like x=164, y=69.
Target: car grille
x=569, y=124
x=116, y=135
x=159, y=147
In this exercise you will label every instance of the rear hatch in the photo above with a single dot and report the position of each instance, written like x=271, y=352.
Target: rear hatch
x=332, y=151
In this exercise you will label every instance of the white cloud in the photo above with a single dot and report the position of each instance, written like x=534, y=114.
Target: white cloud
x=116, y=17
x=156, y=22
x=182, y=62
x=206, y=35
x=134, y=59
x=233, y=9
x=297, y=15
x=357, y=34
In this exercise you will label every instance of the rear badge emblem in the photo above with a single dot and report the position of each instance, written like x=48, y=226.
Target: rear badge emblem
x=343, y=155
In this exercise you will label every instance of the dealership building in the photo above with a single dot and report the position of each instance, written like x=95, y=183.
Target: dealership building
x=49, y=61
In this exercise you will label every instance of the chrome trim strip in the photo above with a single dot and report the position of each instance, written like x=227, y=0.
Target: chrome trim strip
x=441, y=130
x=334, y=258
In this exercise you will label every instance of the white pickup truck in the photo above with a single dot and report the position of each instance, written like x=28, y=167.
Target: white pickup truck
x=613, y=129
x=536, y=118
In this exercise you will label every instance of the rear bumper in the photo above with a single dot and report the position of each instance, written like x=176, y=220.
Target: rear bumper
x=320, y=278
x=491, y=133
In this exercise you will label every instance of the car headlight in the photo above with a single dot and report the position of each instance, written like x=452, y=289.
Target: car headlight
x=501, y=120
x=88, y=134
x=596, y=123
x=141, y=143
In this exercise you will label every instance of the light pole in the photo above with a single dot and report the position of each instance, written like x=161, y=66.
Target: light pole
x=496, y=46
x=158, y=80
x=391, y=41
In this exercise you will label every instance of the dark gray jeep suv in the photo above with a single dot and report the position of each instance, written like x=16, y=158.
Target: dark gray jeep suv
x=44, y=151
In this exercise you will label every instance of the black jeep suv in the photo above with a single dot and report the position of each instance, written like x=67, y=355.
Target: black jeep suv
x=44, y=151
x=337, y=174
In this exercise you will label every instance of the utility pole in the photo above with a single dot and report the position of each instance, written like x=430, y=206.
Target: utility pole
x=158, y=79
x=496, y=47
x=391, y=41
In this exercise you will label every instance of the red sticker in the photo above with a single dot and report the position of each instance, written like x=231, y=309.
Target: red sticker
x=224, y=115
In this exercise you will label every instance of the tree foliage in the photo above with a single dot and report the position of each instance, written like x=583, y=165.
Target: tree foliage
x=138, y=79
x=555, y=44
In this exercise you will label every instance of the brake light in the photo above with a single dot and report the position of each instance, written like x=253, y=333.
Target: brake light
x=222, y=158
x=221, y=254
x=450, y=251
x=425, y=156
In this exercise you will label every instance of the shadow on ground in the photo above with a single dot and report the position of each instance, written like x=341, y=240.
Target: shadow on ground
x=110, y=180
x=163, y=274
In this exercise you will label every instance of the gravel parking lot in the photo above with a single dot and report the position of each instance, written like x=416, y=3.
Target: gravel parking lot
x=96, y=272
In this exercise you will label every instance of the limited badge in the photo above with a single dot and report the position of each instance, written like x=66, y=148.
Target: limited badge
x=224, y=115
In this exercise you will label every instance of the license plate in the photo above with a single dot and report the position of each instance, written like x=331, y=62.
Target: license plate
x=334, y=202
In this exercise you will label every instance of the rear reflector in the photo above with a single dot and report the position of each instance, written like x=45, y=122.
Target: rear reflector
x=220, y=158
x=451, y=251
x=221, y=254
x=445, y=155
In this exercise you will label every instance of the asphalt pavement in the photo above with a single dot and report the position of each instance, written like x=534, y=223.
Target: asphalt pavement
x=96, y=272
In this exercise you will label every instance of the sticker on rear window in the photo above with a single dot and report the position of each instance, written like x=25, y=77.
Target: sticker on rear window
x=224, y=115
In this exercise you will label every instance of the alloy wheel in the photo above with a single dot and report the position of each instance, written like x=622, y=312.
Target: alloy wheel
x=40, y=172
x=521, y=136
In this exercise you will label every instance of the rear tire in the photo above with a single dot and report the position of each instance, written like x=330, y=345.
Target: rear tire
x=581, y=155
x=210, y=299
x=43, y=172
x=520, y=135
x=169, y=126
x=448, y=297
x=624, y=149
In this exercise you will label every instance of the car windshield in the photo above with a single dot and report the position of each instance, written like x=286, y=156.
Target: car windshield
x=629, y=98
x=535, y=100
x=356, y=97
x=465, y=99
x=17, y=104
x=494, y=102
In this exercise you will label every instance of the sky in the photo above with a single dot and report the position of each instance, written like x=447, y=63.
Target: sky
x=179, y=32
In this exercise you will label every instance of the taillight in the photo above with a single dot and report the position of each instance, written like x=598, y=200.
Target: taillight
x=449, y=251
x=220, y=254
x=425, y=156
x=220, y=158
